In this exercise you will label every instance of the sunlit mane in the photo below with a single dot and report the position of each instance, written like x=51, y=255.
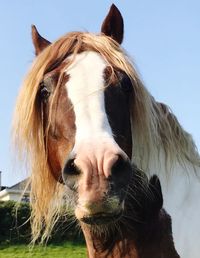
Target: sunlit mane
x=155, y=128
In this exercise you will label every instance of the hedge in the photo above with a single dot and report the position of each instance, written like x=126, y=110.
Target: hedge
x=15, y=225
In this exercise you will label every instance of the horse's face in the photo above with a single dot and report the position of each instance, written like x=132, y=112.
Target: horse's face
x=89, y=139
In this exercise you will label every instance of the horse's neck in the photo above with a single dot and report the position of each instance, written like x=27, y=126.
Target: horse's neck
x=178, y=181
x=155, y=239
x=181, y=191
x=97, y=247
x=134, y=241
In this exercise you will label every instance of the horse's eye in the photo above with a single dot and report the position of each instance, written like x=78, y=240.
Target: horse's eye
x=124, y=81
x=44, y=92
x=126, y=84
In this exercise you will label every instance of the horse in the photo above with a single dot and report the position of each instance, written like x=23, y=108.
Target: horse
x=85, y=124
x=144, y=230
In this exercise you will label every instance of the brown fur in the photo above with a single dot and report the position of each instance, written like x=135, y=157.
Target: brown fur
x=144, y=231
x=34, y=133
x=61, y=135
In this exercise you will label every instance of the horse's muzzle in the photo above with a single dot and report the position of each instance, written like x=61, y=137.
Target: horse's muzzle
x=102, y=218
x=99, y=199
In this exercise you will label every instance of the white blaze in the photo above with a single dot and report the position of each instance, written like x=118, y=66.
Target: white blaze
x=95, y=147
x=85, y=90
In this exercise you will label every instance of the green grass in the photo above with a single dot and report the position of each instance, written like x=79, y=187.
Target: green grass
x=68, y=250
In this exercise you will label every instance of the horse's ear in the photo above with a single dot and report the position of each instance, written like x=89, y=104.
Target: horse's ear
x=155, y=193
x=113, y=25
x=39, y=42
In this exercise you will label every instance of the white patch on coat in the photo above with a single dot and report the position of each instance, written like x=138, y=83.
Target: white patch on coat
x=181, y=195
x=182, y=202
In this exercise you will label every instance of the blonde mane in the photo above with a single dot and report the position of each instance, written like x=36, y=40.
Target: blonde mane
x=154, y=126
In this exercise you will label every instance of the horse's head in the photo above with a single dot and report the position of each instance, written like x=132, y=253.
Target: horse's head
x=84, y=99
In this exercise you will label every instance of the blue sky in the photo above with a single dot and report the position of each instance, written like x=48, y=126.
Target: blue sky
x=162, y=37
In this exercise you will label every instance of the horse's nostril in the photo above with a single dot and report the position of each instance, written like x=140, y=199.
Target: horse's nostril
x=120, y=165
x=70, y=174
x=71, y=168
x=121, y=173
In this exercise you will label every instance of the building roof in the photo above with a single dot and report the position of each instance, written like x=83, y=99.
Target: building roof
x=20, y=186
x=16, y=189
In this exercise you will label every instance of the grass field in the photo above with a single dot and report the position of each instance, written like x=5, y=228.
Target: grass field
x=68, y=250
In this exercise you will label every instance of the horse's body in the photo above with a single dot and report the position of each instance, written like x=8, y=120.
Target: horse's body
x=83, y=116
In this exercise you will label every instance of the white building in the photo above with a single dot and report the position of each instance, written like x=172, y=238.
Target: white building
x=15, y=192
